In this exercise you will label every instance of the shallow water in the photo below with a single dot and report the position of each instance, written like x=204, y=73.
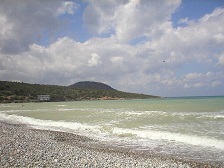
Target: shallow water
x=190, y=127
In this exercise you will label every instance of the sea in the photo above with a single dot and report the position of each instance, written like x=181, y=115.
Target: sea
x=189, y=128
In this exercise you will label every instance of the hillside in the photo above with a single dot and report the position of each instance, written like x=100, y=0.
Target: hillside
x=24, y=92
x=91, y=85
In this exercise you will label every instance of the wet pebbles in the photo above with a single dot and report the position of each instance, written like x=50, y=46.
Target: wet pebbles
x=21, y=146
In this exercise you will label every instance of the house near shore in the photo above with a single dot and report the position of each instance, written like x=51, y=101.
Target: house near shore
x=43, y=97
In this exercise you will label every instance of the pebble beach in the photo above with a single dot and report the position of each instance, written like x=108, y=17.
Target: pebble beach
x=22, y=146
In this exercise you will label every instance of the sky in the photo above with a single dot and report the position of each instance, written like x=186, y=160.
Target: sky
x=158, y=47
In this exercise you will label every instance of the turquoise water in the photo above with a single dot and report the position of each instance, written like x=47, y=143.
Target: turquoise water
x=188, y=127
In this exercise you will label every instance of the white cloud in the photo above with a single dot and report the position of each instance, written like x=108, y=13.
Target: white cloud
x=193, y=75
x=5, y=27
x=219, y=37
x=142, y=18
x=67, y=7
x=198, y=84
x=129, y=19
x=94, y=60
x=196, y=42
x=216, y=83
x=209, y=79
x=184, y=20
x=25, y=22
x=116, y=60
x=66, y=59
x=99, y=15
x=221, y=60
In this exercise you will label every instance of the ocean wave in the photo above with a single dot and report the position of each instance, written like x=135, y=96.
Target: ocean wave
x=171, y=137
x=52, y=125
x=101, y=130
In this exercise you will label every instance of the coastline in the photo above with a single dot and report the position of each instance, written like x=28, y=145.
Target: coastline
x=22, y=146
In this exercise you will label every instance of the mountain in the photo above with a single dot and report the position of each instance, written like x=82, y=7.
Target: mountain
x=18, y=92
x=91, y=85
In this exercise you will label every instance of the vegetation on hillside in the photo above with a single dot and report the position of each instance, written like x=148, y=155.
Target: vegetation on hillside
x=24, y=92
x=91, y=85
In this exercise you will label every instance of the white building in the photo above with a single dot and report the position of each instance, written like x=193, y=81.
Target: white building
x=43, y=97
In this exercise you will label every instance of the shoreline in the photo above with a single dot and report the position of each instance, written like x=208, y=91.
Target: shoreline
x=23, y=146
x=74, y=100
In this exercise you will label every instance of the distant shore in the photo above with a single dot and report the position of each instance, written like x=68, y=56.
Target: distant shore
x=22, y=146
x=16, y=92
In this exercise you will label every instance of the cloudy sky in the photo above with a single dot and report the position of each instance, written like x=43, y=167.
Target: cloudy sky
x=160, y=47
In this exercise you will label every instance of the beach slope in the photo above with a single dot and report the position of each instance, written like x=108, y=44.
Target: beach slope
x=22, y=146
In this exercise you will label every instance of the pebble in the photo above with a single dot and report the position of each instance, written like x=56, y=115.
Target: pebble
x=21, y=146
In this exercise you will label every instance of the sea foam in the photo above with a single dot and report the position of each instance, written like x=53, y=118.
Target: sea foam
x=171, y=137
x=99, y=130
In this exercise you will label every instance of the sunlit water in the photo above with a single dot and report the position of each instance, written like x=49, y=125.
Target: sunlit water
x=190, y=128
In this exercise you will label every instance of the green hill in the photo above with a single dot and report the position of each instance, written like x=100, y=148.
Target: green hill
x=25, y=92
x=91, y=85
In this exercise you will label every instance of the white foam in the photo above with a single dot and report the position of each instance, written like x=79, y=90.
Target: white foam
x=5, y=105
x=61, y=105
x=99, y=131
x=49, y=124
x=218, y=116
x=141, y=113
x=14, y=111
x=172, y=137
x=212, y=115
